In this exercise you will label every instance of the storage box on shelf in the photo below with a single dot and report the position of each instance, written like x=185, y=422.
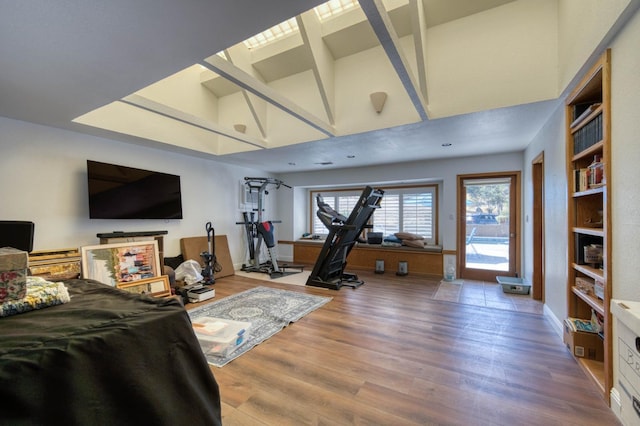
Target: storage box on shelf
x=583, y=344
x=588, y=132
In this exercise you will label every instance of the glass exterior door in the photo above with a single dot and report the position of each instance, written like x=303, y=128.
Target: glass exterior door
x=488, y=209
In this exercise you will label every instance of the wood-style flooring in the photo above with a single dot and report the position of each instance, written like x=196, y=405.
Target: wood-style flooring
x=387, y=353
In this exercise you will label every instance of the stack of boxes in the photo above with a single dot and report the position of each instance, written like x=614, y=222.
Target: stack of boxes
x=13, y=274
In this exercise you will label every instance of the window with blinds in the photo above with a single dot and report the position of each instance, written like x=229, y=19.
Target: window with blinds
x=409, y=209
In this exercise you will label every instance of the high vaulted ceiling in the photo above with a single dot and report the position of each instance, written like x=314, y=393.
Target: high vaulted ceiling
x=459, y=77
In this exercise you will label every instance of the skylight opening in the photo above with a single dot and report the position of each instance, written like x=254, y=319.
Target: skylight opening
x=277, y=31
x=324, y=11
x=334, y=7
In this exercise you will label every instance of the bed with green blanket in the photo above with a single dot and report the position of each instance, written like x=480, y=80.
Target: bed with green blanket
x=105, y=357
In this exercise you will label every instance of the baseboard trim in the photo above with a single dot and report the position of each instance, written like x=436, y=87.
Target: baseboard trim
x=555, y=322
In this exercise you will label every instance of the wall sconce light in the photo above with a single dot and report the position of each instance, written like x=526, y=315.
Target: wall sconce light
x=240, y=128
x=378, y=99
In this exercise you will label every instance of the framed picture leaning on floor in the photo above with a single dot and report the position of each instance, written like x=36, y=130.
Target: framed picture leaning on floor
x=119, y=263
x=156, y=286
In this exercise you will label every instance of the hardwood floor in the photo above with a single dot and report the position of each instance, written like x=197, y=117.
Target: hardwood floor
x=388, y=354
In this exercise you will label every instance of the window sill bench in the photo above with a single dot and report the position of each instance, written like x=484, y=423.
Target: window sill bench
x=426, y=260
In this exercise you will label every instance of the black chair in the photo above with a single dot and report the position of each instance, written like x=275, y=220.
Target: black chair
x=17, y=234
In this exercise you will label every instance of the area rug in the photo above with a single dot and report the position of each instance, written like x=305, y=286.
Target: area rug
x=268, y=310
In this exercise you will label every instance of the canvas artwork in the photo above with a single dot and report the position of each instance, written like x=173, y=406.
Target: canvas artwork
x=121, y=262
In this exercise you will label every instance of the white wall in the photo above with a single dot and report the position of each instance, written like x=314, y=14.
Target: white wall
x=44, y=180
x=625, y=196
x=47, y=168
x=442, y=171
x=550, y=142
x=490, y=59
x=575, y=45
x=625, y=156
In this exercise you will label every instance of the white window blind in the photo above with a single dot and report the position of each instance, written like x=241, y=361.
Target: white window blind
x=342, y=202
x=411, y=209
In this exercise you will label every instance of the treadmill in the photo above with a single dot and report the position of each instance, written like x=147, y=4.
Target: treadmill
x=344, y=232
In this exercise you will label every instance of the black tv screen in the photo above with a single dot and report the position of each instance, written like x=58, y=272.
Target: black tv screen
x=120, y=192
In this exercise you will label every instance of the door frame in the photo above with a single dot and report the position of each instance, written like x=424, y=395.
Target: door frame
x=537, y=225
x=514, y=227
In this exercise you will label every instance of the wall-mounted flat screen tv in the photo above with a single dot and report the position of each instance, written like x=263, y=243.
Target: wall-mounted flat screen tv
x=120, y=192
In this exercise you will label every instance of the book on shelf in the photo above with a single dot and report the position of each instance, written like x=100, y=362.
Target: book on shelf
x=580, y=107
x=580, y=180
x=588, y=135
x=582, y=111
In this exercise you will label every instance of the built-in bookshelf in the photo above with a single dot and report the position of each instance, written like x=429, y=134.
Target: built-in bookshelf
x=588, y=133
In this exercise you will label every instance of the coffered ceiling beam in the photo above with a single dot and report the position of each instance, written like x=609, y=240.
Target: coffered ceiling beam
x=419, y=29
x=382, y=26
x=175, y=114
x=240, y=56
x=241, y=78
x=321, y=58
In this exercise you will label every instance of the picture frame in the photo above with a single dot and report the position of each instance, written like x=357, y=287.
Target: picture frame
x=119, y=263
x=156, y=286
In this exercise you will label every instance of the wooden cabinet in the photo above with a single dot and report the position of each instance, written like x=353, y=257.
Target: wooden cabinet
x=588, y=132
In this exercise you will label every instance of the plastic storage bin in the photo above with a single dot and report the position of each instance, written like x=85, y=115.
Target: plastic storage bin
x=514, y=285
x=220, y=336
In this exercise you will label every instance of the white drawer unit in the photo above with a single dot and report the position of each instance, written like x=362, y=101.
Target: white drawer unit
x=627, y=353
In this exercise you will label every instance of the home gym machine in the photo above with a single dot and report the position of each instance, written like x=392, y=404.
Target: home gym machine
x=344, y=232
x=258, y=230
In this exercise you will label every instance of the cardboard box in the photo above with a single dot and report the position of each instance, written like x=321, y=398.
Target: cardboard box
x=13, y=274
x=583, y=345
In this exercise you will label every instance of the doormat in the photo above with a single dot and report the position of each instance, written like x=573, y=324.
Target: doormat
x=448, y=291
x=268, y=310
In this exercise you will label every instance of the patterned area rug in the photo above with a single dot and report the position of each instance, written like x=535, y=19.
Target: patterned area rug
x=268, y=310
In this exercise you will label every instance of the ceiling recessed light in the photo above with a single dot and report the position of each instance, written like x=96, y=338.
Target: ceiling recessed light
x=446, y=144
